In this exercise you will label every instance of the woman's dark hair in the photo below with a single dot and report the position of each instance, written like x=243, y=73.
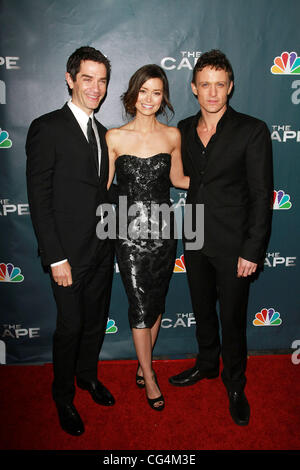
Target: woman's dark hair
x=215, y=59
x=129, y=98
x=86, y=53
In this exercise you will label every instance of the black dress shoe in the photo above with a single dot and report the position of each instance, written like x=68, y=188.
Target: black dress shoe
x=239, y=408
x=70, y=420
x=98, y=392
x=192, y=376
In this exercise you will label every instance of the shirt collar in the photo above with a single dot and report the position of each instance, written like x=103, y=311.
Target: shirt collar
x=221, y=122
x=80, y=115
x=219, y=127
x=223, y=119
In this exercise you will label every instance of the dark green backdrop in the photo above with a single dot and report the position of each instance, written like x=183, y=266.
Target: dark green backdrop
x=37, y=37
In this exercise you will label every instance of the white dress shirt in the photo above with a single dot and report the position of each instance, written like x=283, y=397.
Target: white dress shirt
x=82, y=119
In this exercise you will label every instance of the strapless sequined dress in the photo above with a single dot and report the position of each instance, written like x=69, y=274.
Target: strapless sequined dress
x=146, y=241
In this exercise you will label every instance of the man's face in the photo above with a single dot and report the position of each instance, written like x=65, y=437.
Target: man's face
x=212, y=88
x=90, y=85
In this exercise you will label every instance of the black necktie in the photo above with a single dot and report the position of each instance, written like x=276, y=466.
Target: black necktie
x=93, y=142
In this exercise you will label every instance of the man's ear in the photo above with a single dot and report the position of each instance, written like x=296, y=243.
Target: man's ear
x=69, y=80
x=230, y=88
x=194, y=89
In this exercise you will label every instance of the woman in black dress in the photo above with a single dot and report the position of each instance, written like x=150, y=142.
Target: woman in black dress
x=145, y=155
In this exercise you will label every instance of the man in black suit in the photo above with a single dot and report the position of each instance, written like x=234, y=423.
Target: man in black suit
x=67, y=172
x=228, y=157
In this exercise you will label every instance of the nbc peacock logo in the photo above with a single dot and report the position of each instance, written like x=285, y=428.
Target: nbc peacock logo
x=288, y=63
x=10, y=273
x=5, y=142
x=267, y=317
x=281, y=200
x=111, y=326
x=179, y=265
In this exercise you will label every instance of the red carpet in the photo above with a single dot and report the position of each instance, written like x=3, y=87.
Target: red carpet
x=195, y=418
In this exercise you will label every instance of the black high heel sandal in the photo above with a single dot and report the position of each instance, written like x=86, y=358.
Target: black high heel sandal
x=153, y=401
x=139, y=379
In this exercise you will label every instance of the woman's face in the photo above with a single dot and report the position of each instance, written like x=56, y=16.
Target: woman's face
x=150, y=97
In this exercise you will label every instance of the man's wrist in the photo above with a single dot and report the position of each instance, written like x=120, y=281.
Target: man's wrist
x=57, y=263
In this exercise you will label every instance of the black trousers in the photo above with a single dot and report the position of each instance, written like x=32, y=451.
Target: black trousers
x=213, y=279
x=82, y=312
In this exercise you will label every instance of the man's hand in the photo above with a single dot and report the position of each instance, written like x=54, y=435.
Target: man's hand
x=62, y=274
x=245, y=268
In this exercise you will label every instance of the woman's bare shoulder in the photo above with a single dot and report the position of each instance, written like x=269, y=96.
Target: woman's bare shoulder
x=172, y=133
x=115, y=133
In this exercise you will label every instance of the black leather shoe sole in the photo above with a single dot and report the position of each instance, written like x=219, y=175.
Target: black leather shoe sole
x=72, y=430
x=238, y=421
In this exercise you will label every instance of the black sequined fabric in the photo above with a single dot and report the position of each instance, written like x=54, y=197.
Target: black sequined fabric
x=146, y=242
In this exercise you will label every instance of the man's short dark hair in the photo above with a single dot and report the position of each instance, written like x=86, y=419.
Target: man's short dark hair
x=214, y=59
x=86, y=53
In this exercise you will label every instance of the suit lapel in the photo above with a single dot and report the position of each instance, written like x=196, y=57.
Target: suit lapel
x=73, y=125
x=190, y=139
x=104, y=154
x=79, y=135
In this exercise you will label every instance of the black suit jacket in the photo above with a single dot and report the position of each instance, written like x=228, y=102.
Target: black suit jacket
x=64, y=189
x=235, y=187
